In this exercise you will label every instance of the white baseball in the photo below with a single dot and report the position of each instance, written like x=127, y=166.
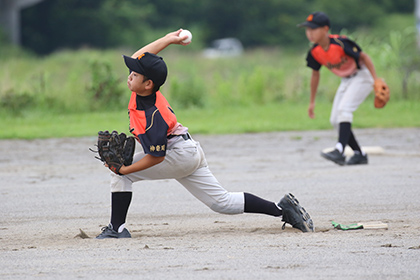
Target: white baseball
x=186, y=33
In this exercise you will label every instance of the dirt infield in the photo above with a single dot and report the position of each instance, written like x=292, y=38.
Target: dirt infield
x=50, y=189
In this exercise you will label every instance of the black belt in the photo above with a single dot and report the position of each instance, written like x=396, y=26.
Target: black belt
x=186, y=136
x=351, y=76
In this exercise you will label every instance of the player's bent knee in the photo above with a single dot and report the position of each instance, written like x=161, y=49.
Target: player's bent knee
x=120, y=183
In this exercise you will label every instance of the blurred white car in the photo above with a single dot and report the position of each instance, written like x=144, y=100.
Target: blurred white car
x=226, y=47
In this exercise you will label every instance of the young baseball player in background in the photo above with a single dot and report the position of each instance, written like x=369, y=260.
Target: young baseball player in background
x=169, y=152
x=345, y=59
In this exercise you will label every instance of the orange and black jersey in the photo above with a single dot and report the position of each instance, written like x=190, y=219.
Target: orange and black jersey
x=151, y=120
x=342, y=56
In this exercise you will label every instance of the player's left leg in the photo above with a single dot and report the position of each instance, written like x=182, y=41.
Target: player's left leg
x=206, y=188
x=257, y=205
x=359, y=157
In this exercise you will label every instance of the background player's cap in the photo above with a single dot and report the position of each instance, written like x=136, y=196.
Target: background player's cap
x=315, y=20
x=149, y=65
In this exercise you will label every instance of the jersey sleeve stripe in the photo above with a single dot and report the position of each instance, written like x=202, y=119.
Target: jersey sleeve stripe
x=152, y=119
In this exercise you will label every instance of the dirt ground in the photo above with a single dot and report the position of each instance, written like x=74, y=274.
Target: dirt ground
x=50, y=189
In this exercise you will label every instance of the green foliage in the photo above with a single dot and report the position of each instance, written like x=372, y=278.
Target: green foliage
x=397, y=59
x=188, y=93
x=105, y=90
x=352, y=13
x=53, y=25
x=7, y=50
x=401, y=45
x=87, y=80
x=15, y=103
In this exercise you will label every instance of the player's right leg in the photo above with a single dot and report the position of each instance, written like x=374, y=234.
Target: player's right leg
x=121, y=194
x=180, y=161
x=336, y=155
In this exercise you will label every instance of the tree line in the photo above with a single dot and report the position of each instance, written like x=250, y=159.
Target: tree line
x=56, y=24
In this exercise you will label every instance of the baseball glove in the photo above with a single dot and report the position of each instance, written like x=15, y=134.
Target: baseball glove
x=115, y=149
x=381, y=93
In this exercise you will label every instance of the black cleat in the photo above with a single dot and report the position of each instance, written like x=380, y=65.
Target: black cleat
x=358, y=159
x=109, y=232
x=335, y=156
x=294, y=214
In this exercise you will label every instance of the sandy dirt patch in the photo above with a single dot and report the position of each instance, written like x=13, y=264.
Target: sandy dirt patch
x=50, y=189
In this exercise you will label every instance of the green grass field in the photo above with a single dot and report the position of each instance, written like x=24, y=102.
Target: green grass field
x=68, y=93
x=226, y=120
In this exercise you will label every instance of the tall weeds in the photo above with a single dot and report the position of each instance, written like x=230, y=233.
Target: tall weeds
x=93, y=80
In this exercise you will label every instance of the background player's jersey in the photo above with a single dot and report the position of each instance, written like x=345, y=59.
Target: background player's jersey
x=342, y=56
x=151, y=121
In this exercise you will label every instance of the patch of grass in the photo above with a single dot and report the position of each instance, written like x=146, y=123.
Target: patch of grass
x=46, y=125
x=285, y=116
x=394, y=114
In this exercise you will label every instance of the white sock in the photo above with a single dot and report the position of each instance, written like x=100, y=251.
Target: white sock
x=121, y=228
x=339, y=147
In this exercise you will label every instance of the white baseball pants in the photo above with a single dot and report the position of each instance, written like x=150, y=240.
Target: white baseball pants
x=185, y=162
x=350, y=94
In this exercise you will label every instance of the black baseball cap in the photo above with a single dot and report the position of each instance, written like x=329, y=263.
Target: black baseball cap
x=315, y=20
x=149, y=65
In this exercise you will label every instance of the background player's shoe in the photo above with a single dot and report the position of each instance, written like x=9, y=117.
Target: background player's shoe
x=358, y=159
x=335, y=156
x=109, y=232
x=294, y=214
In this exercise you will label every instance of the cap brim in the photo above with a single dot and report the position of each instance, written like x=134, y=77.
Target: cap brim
x=308, y=24
x=133, y=64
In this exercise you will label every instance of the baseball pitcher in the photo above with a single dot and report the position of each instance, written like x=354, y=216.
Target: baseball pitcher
x=169, y=152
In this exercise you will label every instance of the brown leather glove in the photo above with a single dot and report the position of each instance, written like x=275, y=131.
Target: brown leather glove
x=381, y=93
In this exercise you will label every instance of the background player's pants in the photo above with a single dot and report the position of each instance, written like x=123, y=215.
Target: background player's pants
x=350, y=94
x=185, y=161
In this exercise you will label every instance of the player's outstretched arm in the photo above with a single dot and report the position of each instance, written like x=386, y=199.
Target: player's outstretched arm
x=314, y=88
x=156, y=46
x=366, y=60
